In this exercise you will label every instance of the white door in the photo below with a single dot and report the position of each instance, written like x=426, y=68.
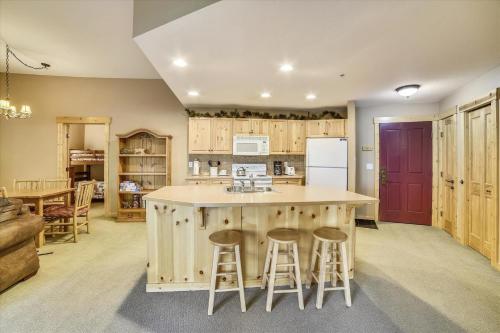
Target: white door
x=327, y=152
x=334, y=177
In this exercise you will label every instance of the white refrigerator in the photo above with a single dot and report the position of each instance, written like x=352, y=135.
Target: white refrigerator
x=326, y=162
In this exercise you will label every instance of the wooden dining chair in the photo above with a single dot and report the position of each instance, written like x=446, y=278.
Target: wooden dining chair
x=27, y=185
x=55, y=184
x=60, y=214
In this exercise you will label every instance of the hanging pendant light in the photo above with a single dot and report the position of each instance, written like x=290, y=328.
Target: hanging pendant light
x=10, y=111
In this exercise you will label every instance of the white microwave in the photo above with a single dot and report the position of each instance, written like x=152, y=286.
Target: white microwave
x=250, y=145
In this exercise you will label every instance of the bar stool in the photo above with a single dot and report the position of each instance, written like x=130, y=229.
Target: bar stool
x=222, y=240
x=275, y=238
x=326, y=236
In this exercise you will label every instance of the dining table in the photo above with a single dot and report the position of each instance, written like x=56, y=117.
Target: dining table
x=38, y=198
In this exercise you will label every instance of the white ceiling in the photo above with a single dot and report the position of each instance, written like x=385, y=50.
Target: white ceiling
x=78, y=38
x=234, y=49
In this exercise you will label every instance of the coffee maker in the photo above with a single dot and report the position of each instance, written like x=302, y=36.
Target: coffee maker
x=278, y=168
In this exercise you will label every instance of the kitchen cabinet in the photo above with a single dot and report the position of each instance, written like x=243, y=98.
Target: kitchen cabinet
x=210, y=136
x=251, y=126
x=287, y=137
x=199, y=180
x=284, y=180
x=326, y=128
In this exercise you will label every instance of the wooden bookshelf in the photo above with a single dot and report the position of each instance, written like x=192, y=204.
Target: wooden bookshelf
x=150, y=168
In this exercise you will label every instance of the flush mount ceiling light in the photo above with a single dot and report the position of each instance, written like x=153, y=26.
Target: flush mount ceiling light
x=408, y=90
x=193, y=93
x=265, y=94
x=179, y=62
x=286, y=67
x=7, y=110
x=310, y=97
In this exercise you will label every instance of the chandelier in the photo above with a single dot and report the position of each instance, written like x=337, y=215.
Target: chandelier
x=7, y=110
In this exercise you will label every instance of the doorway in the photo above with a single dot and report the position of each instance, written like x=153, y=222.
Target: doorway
x=77, y=162
x=405, y=172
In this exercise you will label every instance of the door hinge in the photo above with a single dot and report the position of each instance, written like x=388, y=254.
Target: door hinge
x=441, y=173
x=441, y=134
x=441, y=213
x=67, y=135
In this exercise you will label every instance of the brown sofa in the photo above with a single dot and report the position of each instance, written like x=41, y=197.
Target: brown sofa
x=18, y=256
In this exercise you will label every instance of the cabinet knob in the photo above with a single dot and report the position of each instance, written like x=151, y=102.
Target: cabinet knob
x=313, y=216
x=226, y=221
x=177, y=222
x=292, y=208
x=186, y=220
x=279, y=212
x=201, y=272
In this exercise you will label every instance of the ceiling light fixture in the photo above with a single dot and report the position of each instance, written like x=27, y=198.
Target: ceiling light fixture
x=179, y=62
x=7, y=110
x=193, y=93
x=286, y=68
x=310, y=96
x=408, y=90
x=265, y=95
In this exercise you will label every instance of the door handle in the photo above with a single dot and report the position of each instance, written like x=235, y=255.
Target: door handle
x=383, y=176
x=451, y=181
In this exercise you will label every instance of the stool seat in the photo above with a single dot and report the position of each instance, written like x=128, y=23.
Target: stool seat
x=329, y=234
x=283, y=235
x=225, y=238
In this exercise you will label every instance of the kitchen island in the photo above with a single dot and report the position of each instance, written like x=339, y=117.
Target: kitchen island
x=180, y=219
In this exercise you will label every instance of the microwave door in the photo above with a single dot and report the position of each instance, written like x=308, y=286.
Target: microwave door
x=247, y=148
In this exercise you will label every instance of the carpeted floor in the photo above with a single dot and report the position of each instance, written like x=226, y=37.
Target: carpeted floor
x=408, y=279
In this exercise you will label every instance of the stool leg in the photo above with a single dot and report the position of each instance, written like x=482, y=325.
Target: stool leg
x=312, y=264
x=240, y=278
x=297, y=276
x=213, y=281
x=335, y=267
x=266, y=264
x=290, y=268
x=345, y=275
x=272, y=278
x=322, y=274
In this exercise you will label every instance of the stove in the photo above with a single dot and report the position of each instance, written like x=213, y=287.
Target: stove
x=254, y=173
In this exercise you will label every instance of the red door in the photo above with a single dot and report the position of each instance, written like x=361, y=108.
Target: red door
x=406, y=172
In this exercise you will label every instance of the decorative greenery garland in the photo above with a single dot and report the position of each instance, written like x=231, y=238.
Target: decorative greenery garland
x=265, y=115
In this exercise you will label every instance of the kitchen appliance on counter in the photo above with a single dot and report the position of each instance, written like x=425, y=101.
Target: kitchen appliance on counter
x=326, y=162
x=247, y=145
x=196, y=167
x=278, y=168
x=255, y=174
x=214, y=168
x=289, y=171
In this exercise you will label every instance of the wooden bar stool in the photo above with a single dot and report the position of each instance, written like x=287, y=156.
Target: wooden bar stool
x=325, y=237
x=275, y=238
x=223, y=242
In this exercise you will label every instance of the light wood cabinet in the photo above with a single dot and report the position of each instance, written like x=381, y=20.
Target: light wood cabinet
x=326, y=128
x=283, y=180
x=210, y=136
x=251, y=126
x=287, y=137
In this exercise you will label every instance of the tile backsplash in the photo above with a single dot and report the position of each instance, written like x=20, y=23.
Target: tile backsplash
x=297, y=161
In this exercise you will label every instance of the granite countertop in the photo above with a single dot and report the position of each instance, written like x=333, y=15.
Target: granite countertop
x=215, y=196
x=298, y=176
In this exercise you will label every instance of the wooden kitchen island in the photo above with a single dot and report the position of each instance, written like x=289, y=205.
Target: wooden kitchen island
x=180, y=219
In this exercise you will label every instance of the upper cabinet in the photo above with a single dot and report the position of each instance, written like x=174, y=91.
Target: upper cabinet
x=251, y=126
x=210, y=136
x=287, y=137
x=326, y=128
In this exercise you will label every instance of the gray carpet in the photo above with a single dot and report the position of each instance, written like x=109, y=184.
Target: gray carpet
x=187, y=312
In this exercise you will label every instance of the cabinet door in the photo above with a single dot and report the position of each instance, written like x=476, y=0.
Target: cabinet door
x=335, y=127
x=183, y=246
x=260, y=126
x=199, y=135
x=316, y=128
x=222, y=136
x=278, y=138
x=242, y=126
x=296, y=137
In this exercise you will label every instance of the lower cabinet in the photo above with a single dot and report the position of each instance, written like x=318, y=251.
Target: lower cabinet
x=207, y=181
x=285, y=181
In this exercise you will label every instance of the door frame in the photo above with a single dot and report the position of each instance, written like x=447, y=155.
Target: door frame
x=407, y=119
x=62, y=149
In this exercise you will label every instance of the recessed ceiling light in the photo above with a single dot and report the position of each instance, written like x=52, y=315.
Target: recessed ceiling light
x=286, y=67
x=310, y=96
x=179, y=62
x=265, y=94
x=408, y=90
x=193, y=93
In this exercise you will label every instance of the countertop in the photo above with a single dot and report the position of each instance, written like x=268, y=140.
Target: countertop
x=215, y=196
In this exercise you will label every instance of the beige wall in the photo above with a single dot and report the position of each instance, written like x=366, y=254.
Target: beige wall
x=76, y=138
x=94, y=137
x=365, y=135
x=28, y=146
